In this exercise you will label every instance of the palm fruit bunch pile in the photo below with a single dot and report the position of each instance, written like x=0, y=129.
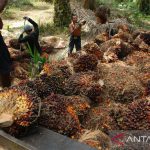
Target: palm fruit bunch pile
x=81, y=105
x=142, y=41
x=17, y=55
x=146, y=38
x=20, y=69
x=98, y=118
x=101, y=38
x=95, y=138
x=62, y=66
x=58, y=116
x=94, y=92
x=124, y=33
x=45, y=84
x=140, y=60
x=136, y=117
x=118, y=47
x=93, y=48
x=120, y=82
x=73, y=57
x=79, y=83
x=24, y=105
x=85, y=63
x=39, y=86
x=13, y=43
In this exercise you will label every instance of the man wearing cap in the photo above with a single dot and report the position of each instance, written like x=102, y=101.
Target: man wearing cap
x=5, y=61
x=32, y=36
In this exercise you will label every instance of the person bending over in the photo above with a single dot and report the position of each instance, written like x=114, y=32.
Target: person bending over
x=31, y=37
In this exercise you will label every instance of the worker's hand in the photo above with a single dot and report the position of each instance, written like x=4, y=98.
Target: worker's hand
x=26, y=18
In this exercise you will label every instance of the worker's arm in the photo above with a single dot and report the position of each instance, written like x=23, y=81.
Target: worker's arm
x=24, y=39
x=71, y=28
x=35, y=25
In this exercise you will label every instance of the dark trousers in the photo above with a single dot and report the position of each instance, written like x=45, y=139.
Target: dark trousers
x=5, y=80
x=74, y=41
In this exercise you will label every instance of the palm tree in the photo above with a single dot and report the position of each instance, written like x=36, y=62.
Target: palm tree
x=144, y=6
x=62, y=12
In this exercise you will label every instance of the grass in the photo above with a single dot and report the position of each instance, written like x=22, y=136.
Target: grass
x=51, y=29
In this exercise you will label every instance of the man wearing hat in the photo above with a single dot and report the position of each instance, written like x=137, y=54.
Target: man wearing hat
x=32, y=36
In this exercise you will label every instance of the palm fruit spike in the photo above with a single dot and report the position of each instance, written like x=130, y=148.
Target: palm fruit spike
x=24, y=104
x=57, y=116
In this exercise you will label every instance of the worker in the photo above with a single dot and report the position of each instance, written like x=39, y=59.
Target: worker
x=5, y=62
x=31, y=37
x=75, y=34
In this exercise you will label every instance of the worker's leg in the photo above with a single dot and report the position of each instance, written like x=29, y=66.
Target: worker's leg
x=78, y=43
x=71, y=45
x=5, y=80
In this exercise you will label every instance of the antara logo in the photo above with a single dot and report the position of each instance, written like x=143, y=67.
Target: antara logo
x=117, y=139
x=122, y=138
x=138, y=139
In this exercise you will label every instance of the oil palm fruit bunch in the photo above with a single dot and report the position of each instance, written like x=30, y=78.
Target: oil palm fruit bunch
x=93, y=48
x=15, y=44
x=62, y=66
x=24, y=105
x=146, y=37
x=136, y=117
x=86, y=62
x=94, y=92
x=98, y=118
x=78, y=83
x=58, y=116
x=118, y=47
x=101, y=38
x=81, y=105
x=40, y=87
x=45, y=84
x=121, y=84
x=55, y=82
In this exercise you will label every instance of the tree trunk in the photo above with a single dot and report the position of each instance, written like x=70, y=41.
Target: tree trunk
x=89, y=4
x=62, y=12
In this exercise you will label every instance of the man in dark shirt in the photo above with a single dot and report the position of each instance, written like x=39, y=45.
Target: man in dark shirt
x=32, y=37
x=5, y=61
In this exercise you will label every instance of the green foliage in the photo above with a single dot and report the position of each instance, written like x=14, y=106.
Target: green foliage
x=51, y=29
x=21, y=3
x=36, y=63
x=62, y=12
x=130, y=10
